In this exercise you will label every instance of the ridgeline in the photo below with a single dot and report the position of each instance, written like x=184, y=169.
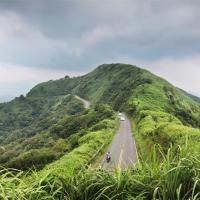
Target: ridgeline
x=50, y=130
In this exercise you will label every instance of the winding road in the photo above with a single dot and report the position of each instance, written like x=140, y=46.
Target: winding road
x=86, y=103
x=123, y=148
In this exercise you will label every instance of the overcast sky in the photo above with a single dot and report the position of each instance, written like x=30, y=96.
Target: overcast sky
x=47, y=39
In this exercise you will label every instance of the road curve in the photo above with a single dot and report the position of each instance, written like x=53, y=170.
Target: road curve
x=123, y=148
x=86, y=103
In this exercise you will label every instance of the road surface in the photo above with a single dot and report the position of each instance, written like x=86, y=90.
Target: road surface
x=85, y=102
x=123, y=148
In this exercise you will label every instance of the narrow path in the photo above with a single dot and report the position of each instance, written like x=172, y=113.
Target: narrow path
x=86, y=103
x=123, y=148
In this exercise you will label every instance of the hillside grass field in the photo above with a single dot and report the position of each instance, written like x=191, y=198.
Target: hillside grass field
x=175, y=175
x=166, y=125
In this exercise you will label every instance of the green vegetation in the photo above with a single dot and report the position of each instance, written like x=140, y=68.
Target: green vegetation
x=25, y=116
x=153, y=127
x=30, y=144
x=50, y=130
x=89, y=147
x=163, y=115
x=174, y=176
x=126, y=87
x=52, y=134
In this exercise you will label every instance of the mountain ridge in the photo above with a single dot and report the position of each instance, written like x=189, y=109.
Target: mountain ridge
x=48, y=112
x=104, y=70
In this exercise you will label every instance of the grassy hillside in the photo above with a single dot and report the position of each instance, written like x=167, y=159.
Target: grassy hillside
x=156, y=105
x=30, y=124
x=126, y=87
x=175, y=176
x=26, y=140
x=106, y=84
x=50, y=125
x=52, y=134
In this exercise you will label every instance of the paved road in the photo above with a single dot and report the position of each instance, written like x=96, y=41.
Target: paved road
x=85, y=102
x=123, y=148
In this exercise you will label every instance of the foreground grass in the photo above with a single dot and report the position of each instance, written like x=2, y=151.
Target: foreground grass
x=175, y=175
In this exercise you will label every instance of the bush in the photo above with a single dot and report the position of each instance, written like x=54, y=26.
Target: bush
x=32, y=158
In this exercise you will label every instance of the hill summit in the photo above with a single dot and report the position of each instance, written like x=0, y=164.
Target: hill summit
x=126, y=87
x=49, y=120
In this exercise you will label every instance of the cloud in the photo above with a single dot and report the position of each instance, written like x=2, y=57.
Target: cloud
x=17, y=79
x=183, y=72
x=13, y=73
x=154, y=28
x=78, y=35
x=12, y=26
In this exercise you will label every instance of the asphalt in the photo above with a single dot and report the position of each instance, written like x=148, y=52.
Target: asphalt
x=123, y=148
x=86, y=103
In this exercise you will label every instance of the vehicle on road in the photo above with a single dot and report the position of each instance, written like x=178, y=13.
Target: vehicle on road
x=122, y=118
x=108, y=157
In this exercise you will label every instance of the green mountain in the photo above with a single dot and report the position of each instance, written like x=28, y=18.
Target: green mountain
x=116, y=84
x=50, y=122
x=51, y=129
x=126, y=87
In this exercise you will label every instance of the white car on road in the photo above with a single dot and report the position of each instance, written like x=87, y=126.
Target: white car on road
x=122, y=118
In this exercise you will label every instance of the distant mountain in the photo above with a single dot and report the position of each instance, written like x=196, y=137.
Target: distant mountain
x=48, y=117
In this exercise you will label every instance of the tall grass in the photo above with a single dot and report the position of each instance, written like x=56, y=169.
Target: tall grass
x=175, y=175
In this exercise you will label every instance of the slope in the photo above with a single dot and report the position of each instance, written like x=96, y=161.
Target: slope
x=25, y=129
x=126, y=87
x=162, y=113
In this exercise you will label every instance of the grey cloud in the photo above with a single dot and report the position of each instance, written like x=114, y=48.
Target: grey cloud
x=56, y=19
x=77, y=35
